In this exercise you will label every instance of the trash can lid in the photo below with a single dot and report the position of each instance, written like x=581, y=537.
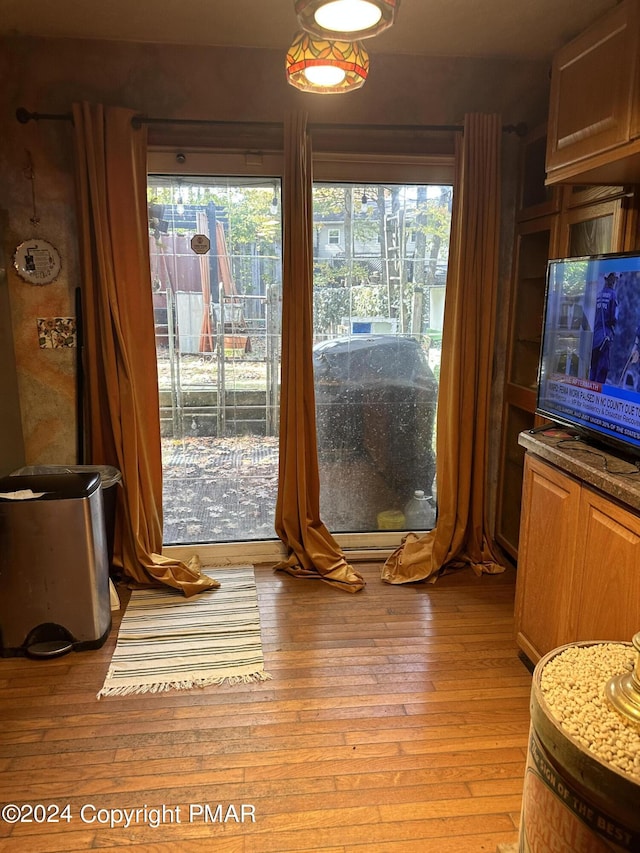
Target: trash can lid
x=60, y=486
x=109, y=475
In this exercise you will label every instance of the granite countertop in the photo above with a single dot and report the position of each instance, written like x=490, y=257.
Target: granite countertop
x=601, y=469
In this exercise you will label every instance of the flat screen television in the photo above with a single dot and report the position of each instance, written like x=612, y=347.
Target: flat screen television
x=589, y=373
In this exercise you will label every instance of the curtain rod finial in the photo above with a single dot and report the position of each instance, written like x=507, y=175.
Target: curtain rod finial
x=520, y=129
x=23, y=115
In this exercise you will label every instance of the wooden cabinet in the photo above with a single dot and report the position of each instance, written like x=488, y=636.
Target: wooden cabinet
x=533, y=246
x=607, y=571
x=550, y=502
x=579, y=565
x=592, y=228
x=551, y=222
x=535, y=241
x=594, y=115
x=559, y=222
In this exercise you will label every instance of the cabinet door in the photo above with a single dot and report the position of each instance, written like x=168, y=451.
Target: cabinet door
x=515, y=420
x=550, y=504
x=593, y=82
x=534, y=244
x=607, y=590
x=593, y=229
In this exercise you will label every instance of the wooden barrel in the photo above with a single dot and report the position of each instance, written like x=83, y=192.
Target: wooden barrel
x=573, y=802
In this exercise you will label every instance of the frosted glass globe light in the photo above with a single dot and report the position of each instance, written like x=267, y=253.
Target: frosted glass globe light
x=324, y=75
x=348, y=15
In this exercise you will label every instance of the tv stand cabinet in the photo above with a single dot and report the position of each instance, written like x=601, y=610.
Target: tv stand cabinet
x=578, y=573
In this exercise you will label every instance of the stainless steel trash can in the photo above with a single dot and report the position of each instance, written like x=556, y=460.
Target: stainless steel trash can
x=110, y=478
x=54, y=574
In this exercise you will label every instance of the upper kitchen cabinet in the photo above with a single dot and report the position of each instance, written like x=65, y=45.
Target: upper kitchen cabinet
x=594, y=114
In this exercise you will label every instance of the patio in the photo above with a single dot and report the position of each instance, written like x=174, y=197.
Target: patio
x=224, y=490
x=219, y=489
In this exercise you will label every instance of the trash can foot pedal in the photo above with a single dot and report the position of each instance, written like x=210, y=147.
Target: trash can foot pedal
x=48, y=641
x=49, y=649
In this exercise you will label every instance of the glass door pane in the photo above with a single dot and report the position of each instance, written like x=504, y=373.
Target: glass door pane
x=380, y=262
x=217, y=280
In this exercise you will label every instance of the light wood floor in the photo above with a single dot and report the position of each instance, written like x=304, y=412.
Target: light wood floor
x=396, y=721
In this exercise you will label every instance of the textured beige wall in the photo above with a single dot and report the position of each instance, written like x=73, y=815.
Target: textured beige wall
x=11, y=443
x=48, y=75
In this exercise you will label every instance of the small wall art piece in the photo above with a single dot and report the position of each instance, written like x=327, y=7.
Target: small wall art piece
x=57, y=332
x=37, y=261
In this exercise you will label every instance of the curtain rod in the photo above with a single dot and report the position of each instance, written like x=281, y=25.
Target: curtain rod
x=24, y=116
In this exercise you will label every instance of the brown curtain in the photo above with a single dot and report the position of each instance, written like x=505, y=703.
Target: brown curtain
x=122, y=400
x=312, y=551
x=461, y=534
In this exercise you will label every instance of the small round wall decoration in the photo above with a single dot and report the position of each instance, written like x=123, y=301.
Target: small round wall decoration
x=37, y=261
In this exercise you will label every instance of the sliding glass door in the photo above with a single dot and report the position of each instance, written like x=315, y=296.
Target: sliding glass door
x=380, y=261
x=380, y=258
x=216, y=277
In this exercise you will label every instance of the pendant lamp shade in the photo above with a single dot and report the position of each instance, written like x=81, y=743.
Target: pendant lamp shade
x=326, y=67
x=346, y=19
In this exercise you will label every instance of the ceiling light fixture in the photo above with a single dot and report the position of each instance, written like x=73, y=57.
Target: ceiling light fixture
x=346, y=19
x=326, y=67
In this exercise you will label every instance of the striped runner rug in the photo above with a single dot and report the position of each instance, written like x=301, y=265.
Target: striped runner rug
x=169, y=642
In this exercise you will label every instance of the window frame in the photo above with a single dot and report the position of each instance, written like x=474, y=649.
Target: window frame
x=327, y=167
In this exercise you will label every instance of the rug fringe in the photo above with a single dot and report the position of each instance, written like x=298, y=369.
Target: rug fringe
x=188, y=684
